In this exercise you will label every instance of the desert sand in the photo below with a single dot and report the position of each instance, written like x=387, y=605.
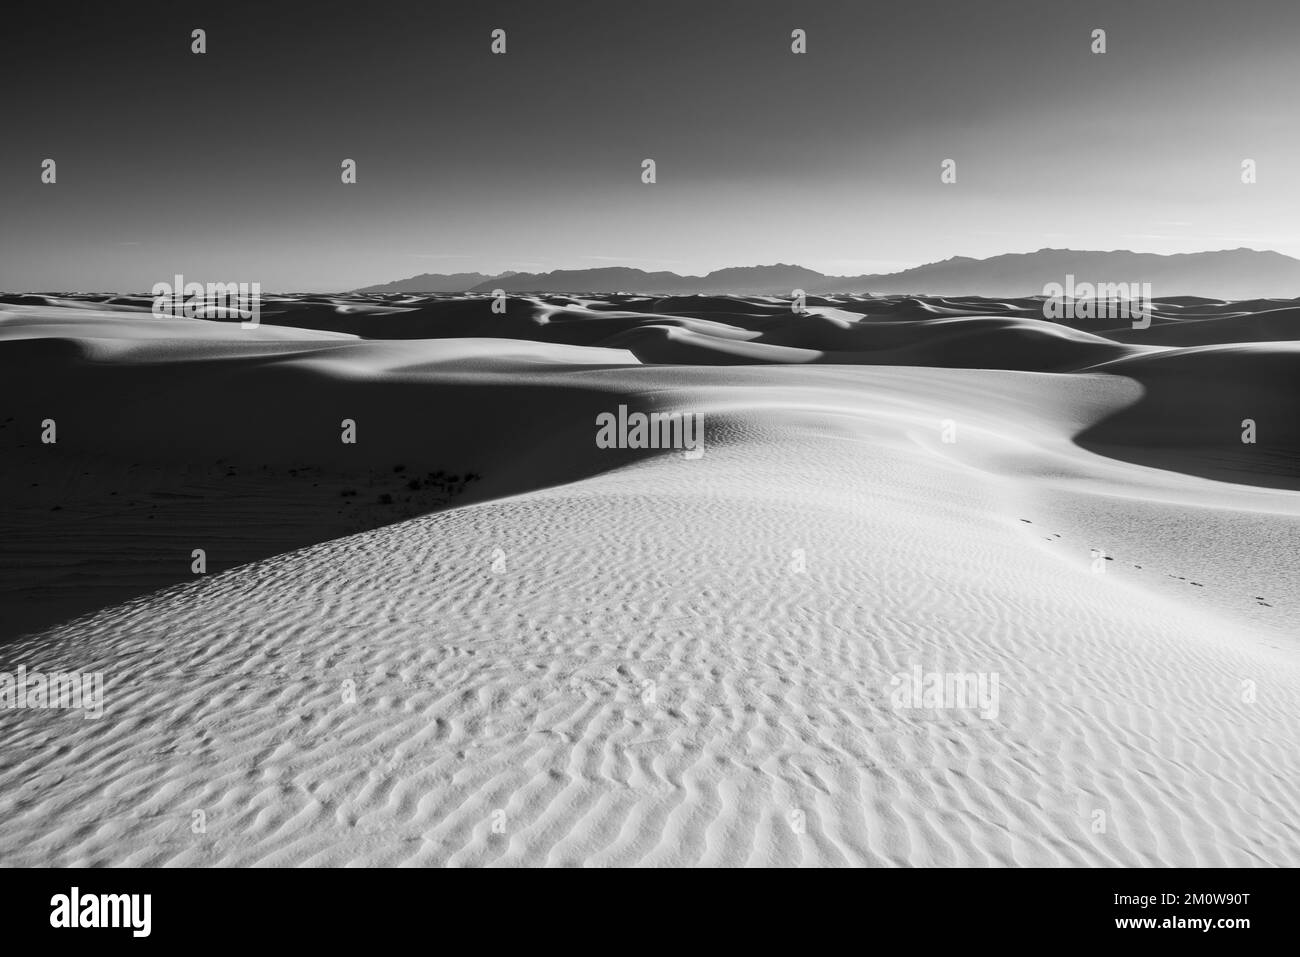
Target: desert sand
x=511, y=647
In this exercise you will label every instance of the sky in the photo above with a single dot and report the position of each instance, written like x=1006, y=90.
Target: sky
x=225, y=166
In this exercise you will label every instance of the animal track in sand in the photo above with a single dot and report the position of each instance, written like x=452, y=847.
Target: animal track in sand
x=1258, y=599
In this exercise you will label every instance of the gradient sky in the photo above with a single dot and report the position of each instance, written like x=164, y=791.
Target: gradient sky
x=225, y=167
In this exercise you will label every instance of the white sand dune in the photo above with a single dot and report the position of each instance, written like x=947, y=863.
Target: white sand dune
x=605, y=658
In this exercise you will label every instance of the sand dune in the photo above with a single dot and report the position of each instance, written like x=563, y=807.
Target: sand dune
x=613, y=657
x=1200, y=428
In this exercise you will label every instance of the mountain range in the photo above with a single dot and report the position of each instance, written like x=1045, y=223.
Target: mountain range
x=1223, y=274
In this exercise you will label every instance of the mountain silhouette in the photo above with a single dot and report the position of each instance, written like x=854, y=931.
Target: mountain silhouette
x=1222, y=274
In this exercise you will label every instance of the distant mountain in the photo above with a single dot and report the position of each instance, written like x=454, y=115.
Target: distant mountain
x=1224, y=274
x=776, y=280
x=435, y=282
